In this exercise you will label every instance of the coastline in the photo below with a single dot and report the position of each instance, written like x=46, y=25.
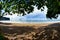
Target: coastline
x=14, y=23
x=26, y=29
x=29, y=22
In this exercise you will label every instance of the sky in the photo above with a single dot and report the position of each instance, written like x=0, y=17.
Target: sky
x=35, y=15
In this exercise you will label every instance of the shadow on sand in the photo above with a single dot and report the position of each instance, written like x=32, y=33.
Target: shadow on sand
x=49, y=32
x=5, y=23
x=18, y=30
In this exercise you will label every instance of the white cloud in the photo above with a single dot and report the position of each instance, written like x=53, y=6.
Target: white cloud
x=35, y=15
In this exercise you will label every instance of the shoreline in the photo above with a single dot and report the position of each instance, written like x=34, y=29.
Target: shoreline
x=29, y=22
x=19, y=24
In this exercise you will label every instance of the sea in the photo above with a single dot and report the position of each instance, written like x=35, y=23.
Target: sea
x=30, y=21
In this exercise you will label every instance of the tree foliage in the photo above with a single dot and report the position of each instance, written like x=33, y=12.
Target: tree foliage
x=22, y=6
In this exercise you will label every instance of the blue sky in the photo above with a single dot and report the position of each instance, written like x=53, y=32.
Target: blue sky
x=35, y=15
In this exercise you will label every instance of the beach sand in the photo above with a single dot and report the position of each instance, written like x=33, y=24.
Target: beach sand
x=20, y=31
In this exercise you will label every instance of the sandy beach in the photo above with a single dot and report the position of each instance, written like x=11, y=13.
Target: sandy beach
x=19, y=30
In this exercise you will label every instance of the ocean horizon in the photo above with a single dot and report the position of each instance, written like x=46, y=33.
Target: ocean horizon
x=30, y=21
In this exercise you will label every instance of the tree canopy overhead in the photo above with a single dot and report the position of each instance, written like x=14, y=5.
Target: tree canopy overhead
x=22, y=6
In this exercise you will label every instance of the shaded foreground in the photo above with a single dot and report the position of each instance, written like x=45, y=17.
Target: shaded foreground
x=31, y=32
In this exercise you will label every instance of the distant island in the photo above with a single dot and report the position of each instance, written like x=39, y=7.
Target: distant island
x=4, y=18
